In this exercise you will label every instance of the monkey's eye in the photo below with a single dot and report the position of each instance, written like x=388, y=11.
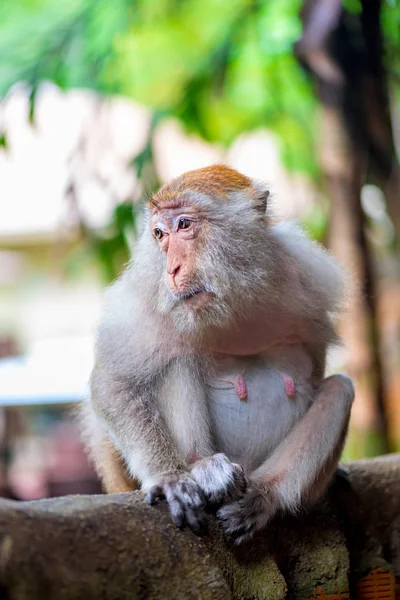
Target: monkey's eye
x=158, y=233
x=184, y=223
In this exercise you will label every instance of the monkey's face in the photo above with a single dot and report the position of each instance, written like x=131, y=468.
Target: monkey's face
x=210, y=227
x=211, y=261
x=180, y=233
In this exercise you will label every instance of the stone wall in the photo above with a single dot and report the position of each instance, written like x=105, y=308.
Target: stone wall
x=118, y=548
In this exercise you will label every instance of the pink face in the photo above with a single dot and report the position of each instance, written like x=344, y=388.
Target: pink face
x=177, y=230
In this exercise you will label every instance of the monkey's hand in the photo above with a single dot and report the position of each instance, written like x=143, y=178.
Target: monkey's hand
x=185, y=500
x=220, y=480
x=240, y=520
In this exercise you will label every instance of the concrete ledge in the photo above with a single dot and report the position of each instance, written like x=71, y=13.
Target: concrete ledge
x=117, y=547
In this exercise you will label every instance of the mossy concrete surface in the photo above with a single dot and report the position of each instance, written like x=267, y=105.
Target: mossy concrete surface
x=117, y=547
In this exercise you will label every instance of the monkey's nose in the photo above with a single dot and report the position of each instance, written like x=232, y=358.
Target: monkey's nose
x=173, y=271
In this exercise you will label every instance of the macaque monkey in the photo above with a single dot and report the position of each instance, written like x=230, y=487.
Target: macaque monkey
x=208, y=386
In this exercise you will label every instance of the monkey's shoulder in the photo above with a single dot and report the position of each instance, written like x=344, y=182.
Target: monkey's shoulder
x=313, y=280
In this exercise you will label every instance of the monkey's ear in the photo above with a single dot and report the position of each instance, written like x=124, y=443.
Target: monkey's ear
x=261, y=200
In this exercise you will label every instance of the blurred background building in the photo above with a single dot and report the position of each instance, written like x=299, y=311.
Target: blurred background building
x=101, y=102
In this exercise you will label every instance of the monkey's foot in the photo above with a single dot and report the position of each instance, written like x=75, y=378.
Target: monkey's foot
x=242, y=519
x=220, y=479
x=185, y=500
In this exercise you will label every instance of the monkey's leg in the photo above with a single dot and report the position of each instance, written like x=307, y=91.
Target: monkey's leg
x=111, y=469
x=300, y=468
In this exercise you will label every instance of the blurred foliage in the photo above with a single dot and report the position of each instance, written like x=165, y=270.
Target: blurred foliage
x=391, y=31
x=109, y=247
x=221, y=66
x=68, y=42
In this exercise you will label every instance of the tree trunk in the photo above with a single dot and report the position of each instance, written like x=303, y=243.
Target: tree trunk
x=343, y=54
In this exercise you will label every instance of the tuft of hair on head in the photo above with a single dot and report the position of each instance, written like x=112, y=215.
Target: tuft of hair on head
x=218, y=182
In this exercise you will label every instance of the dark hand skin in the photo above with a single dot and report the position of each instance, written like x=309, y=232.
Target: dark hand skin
x=185, y=499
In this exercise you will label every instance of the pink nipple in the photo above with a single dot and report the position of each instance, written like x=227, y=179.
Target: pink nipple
x=240, y=387
x=290, y=388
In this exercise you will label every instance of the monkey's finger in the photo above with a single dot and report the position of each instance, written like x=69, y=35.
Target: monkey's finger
x=196, y=520
x=238, y=540
x=155, y=494
x=190, y=495
x=240, y=483
x=184, y=515
x=237, y=530
x=240, y=530
x=176, y=508
x=238, y=535
x=238, y=474
x=235, y=523
x=178, y=518
x=233, y=520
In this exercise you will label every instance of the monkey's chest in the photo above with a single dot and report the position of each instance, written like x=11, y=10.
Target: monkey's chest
x=253, y=403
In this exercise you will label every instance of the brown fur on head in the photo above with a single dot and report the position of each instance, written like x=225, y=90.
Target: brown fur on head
x=218, y=182
x=210, y=226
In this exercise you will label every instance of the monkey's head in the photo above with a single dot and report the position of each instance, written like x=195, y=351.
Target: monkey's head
x=209, y=228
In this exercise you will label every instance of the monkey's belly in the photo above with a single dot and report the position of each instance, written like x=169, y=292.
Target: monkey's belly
x=249, y=429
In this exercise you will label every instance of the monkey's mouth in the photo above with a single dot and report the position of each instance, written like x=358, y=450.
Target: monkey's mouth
x=197, y=298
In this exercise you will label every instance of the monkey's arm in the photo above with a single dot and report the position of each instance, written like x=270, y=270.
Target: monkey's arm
x=300, y=468
x=129, y=412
